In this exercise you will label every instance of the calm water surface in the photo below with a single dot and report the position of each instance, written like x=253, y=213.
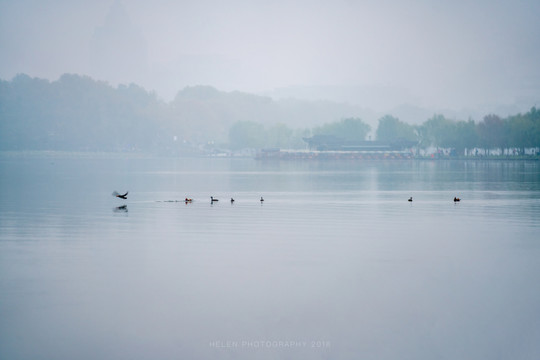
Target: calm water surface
x=336, y=264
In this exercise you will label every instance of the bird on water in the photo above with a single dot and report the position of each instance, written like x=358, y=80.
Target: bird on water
x=212, y=199
x=410, y=199
x=121, y=196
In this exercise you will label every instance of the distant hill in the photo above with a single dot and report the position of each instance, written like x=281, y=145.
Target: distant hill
x=79, y=113
x=76, y=113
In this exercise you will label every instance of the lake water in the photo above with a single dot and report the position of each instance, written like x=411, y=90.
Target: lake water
x=335, y=264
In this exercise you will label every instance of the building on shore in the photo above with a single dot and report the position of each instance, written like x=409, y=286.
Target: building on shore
x=328, y=147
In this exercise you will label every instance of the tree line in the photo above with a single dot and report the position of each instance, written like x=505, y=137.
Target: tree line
x=78, y=113
x=511, y=135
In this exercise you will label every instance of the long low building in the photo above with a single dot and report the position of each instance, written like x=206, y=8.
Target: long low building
x=269, y=154
x=330, y=142
x=331, y=147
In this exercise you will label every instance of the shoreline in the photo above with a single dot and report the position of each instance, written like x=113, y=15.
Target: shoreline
x=145, y=155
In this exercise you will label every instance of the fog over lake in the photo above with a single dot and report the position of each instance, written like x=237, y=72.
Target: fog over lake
x=477, y=56
x=335, y=264
x=383, y=157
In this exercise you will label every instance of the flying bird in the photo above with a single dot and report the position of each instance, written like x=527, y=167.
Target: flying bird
x=121, y=196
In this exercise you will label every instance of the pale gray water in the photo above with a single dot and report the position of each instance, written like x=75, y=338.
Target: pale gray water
x=336, y=264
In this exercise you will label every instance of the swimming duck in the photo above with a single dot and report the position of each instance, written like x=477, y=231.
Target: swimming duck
x=188, y=200
x=456, y=199
x=232, y=200
x=212, y=199
x=410, y=199
x=262, y=199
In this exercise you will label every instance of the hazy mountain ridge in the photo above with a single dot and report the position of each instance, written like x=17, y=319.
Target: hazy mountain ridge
x=79, y=113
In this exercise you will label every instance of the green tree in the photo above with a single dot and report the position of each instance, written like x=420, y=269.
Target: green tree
x=465, y=136
x=279, y=136
x=492, y=132
x=352, y=129
x=438, y=131
x=247, y=134
x=534, y=116
x=521, y=133
x=442, y=132
x=423, y=136
x=391, y=129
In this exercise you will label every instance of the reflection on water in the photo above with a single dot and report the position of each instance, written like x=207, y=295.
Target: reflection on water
x=336, y=263
x=121, y=209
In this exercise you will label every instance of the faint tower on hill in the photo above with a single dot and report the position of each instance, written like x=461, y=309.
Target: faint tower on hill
x=118, y=51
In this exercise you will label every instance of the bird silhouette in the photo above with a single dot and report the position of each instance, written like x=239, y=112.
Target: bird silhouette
x=262, y=199
x=121, y=209
x=232, y=200
x=456, y=199
x=212, y=199
x=121, y=196
x=410, y=199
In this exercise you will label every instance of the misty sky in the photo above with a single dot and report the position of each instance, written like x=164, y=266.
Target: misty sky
x=428, y=53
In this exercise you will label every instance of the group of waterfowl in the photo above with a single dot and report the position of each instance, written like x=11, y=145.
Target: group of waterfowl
x=456, y=199
x=186, y=200
x=213, y=199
